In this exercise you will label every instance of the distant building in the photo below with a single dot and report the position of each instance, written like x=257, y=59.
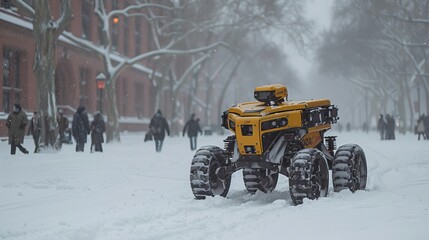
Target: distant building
x=76, y=68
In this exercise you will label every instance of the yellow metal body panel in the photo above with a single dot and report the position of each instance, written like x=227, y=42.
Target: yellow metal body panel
x=279, y=90
x=313, y=137
x=253, y=140
x=254, y=113
x=271, y=87
x=294, y=121
x=260, y=109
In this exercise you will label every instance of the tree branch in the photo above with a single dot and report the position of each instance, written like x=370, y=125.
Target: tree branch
x=189, y=70
x=65, y=17
x=408, y=20
x=25, y=8
x=165, y=51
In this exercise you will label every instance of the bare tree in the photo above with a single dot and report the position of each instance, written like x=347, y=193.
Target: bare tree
x=382, y=46
x=246, y=27
x=114, y=68
x=46, y=31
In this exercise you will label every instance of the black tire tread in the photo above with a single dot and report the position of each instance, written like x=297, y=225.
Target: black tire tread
x=342, y=165
x=199, y=172
x=300, y=172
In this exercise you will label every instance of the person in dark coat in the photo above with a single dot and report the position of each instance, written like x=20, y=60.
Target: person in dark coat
x=426, y=124
x=193, y=128
x=420, y=128
x=35, y=129
x=98, y=127
x=381, y=126
x=80, y=128
x=157, y=127
x=16, y=123
x=63, y=125
x=390, y=130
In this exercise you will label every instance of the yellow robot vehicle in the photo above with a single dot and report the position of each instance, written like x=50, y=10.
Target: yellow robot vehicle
x=273, y=136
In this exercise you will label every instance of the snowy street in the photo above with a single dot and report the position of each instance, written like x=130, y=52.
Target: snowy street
x=131, y=192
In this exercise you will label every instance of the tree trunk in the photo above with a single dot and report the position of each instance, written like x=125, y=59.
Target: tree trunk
x=191, y=108
x=225, y=88
x=401, y=108
x=410, y=107
x=209, y=100
x=45, y=72
x=46, y=32
x=112, y=133
x=175, y=128
x=426, y=92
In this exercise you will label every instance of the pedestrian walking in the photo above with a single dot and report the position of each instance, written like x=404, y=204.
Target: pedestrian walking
x=426, y=124
x=98, y=127
x=420, y=128
x=158, y=126
x=63, y=126
x=80, y=128
x=16, y=123
x=381, y=126
x=192, y=127
x=390, y=127
x=348, y=127
x=35, y=129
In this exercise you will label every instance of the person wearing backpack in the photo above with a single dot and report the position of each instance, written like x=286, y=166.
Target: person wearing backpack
x=158, y=126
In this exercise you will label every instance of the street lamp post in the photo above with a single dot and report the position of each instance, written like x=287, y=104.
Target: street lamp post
x=101, y=82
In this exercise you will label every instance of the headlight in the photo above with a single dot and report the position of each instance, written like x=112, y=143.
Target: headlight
x=275, y=123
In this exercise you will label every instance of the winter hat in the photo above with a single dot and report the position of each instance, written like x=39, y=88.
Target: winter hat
x=80, y=109
x=98, y=116
x=18, y=107
x=158, y=113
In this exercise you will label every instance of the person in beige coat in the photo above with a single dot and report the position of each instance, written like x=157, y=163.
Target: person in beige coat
x=16, y=123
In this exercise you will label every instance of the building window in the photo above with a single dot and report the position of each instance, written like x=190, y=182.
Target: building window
x=7, y=56
x=139, y=99
x=124, y=97
x=100, y=32
x=137, y=35
x=115, y=35
x=11, y=78
x=6, y=4
x=115, y=27
x=115, y=4
x=126, y=36
x=83, y=86
x=86, y=19
x=29, y=2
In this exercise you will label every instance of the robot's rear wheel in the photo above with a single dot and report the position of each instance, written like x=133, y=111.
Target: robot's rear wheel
x=260, y=179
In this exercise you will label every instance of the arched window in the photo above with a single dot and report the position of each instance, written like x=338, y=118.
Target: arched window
x=11, y=78
x=86, y=19
x=83, y=86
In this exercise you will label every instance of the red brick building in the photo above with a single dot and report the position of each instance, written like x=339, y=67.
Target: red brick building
x=76, y=68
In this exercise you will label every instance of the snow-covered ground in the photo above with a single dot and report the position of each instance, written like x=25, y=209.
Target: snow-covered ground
x=132, y=192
